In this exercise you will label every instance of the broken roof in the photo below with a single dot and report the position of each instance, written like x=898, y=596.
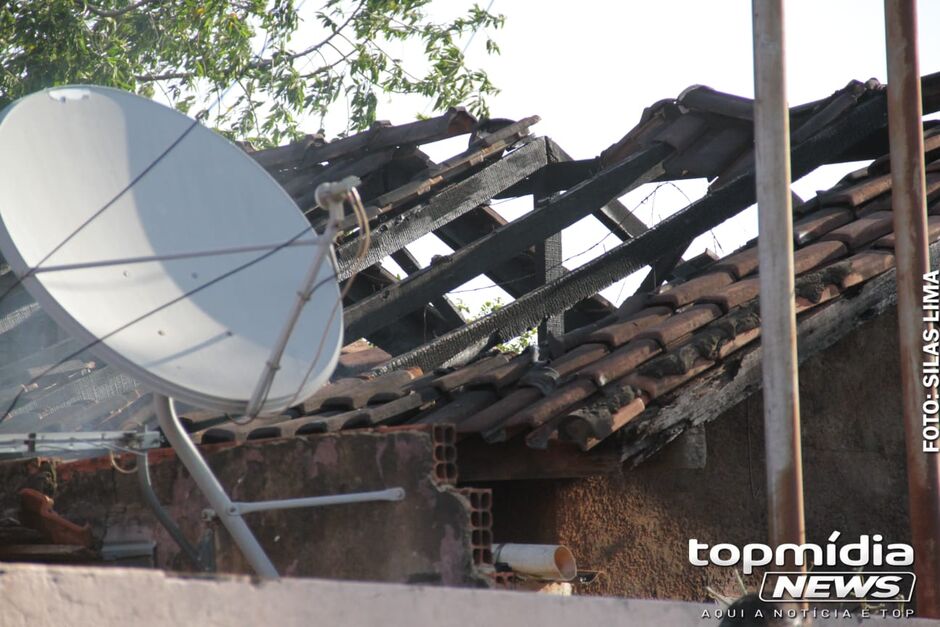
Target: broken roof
x=612, y=384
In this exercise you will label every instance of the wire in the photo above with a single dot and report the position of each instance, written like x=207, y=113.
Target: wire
x=599, y=242
x=117, y=467
x=365, y=241
x=144, y=316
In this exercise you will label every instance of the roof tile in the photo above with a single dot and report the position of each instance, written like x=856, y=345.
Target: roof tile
x=655, y=386
x=855, y=195
x=805, y=259
x=864, y=230
x=588, y=429
x=735, y=294
x=933, y=233
x=620, y=333
x=739, y=264
x=691, y=290
x=681, y=324
x=621, y=361
x=818, y=223
x=561, y=400
x=573, y=361
x=462, y=376
x=499, y=411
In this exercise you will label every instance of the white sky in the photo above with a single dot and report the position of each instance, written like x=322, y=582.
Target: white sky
x=589, y=68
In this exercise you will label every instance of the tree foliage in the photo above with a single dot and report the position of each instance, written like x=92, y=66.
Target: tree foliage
x=252, y=68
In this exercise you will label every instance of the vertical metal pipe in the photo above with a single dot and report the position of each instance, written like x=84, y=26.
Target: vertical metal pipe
x=908, y=196
x=775, y=249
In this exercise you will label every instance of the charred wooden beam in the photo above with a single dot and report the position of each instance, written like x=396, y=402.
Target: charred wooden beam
x=454, y=122
x=662, y=268
x=704, y=214
x=444, y=207
x=516, y=275
x=397, y=300
x=451, y=317
x=614, y=215
x=548, y=258
x=408, y=332
x=483, y=149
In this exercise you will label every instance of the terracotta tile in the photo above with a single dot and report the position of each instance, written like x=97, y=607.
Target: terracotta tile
x=500, y=411
x=588, y=429
x=738, y=342
x=620, y=333
x=933, y=233
x=654, y=387
x=866, y=265
x=863, y=230
x=880, y=203
x=688, y=292
x=739, y=264
x=503, y=376
x=621, y=361
x=805, y=259
x=464, y=406
x=827, y=293
x=544, y=435
x=578, y=358
x=818, y=223
x=554, y=404
x=681, y=324
x=826, y=283
x=461, y=376
x=855, y=195
x=340, y=387
x=735, y=294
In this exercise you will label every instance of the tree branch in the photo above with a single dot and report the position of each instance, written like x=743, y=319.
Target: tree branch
x=100, y=12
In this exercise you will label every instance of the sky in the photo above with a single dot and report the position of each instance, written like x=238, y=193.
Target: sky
x=589, y=68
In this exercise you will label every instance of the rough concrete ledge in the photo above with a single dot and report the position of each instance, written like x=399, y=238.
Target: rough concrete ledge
x=38, y=596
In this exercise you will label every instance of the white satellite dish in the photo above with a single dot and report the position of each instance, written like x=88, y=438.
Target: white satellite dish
x=115, y=210
x=172, y=254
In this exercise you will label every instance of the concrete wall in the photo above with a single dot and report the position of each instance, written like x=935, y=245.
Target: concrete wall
x=35, y=596
x=426, y=538
x=635, y=526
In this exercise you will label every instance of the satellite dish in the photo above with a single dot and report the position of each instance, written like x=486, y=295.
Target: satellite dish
x=163, y=247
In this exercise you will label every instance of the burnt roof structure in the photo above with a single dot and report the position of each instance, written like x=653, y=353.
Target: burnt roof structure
x=609, y=384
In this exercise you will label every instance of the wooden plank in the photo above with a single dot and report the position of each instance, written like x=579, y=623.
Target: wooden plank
x=397, y=300
x=444, y=207
x=704, y=214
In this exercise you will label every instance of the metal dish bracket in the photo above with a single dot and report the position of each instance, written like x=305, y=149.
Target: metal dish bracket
x=229, y=512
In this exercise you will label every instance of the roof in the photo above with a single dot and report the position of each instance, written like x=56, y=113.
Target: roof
x=608, y=383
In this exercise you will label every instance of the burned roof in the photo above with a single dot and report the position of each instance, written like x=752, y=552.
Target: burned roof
x=607, y=384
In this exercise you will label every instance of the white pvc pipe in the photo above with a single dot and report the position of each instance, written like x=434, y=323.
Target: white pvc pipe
x=546, y=561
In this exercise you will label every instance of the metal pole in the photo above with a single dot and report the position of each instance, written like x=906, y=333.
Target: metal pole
x=775, y=249
x=908, y=196
x=210, y=487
